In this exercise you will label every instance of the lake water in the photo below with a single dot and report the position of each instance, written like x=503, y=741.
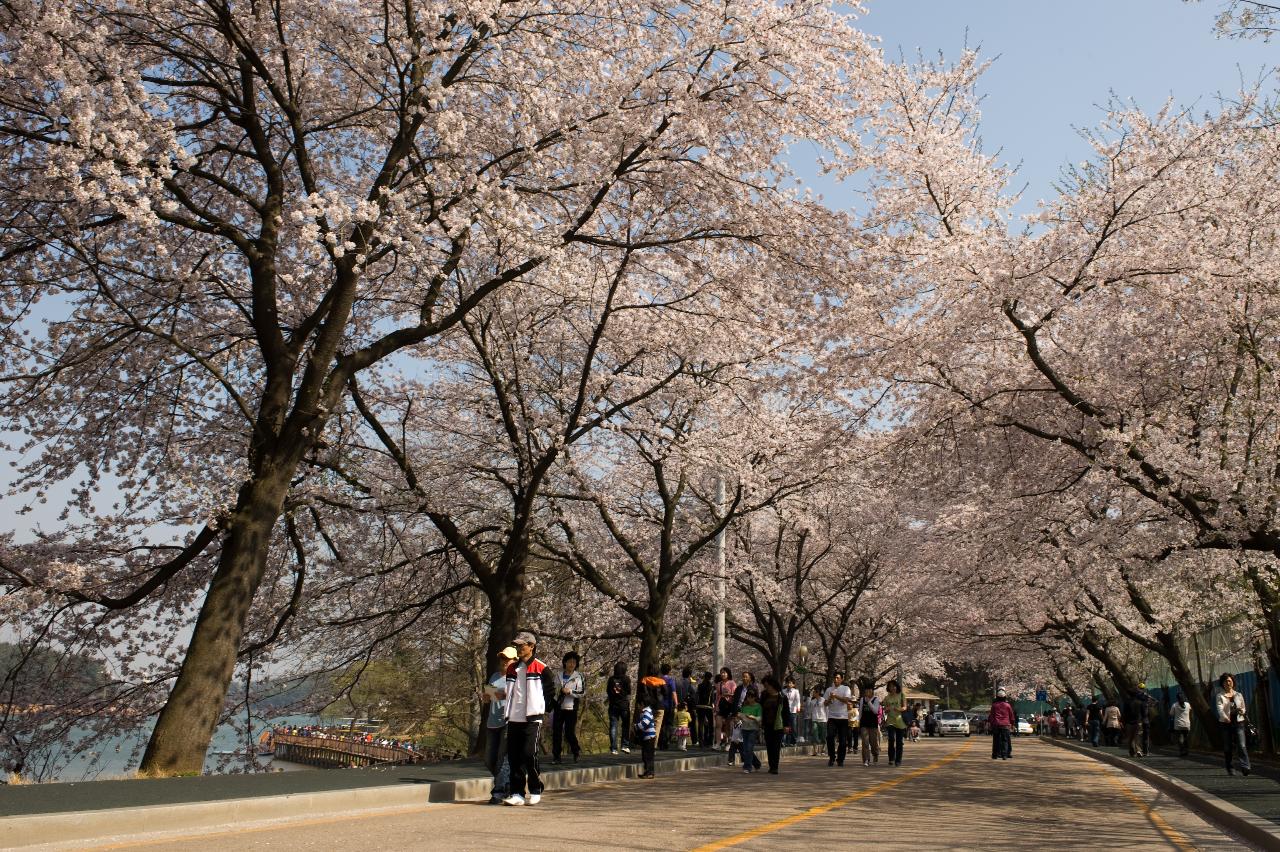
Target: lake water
x=120, y=756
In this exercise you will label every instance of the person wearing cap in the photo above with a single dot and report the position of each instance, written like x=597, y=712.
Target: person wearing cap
x=496, y=726
x=530, y=690
x=1001, y=719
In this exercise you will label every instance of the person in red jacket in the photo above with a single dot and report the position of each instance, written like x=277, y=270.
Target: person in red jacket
x=1001, y=719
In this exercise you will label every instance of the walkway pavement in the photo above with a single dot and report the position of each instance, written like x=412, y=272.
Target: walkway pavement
x=948, y=794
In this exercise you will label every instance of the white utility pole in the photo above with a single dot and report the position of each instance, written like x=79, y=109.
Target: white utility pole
x=717, y=653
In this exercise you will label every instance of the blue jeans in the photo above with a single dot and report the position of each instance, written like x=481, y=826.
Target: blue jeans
x=749, y=759
x=1095, y=727
x=618, y=729
x=1233, y=740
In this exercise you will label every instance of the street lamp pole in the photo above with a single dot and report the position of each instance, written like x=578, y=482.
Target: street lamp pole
x=717, y=651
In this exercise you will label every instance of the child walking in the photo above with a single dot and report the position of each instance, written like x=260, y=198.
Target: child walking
x=647, y=728
x=682, y=726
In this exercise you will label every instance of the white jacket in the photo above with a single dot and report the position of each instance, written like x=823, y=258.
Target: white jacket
x=1181, y=716
x=1225, y=704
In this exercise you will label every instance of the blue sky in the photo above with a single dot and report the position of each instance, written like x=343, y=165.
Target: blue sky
x=1057, y=62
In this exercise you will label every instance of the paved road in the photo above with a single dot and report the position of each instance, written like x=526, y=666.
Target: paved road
x=948, y=794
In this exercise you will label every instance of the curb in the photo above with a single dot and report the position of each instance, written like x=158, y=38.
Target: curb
x=81, y=827
x=1258, y=831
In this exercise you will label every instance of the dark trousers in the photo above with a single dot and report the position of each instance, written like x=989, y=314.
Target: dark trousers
x=894, y=736
x=1095, y=728
x=1131, y=738
x=1233, y=741
x=494, y=739
x=773, y=749
x=706, y=726
x=837, y=739
x=1183, y=738
x=1001, y=742
x=522, y=753
x=564, y=726
x=646, y=753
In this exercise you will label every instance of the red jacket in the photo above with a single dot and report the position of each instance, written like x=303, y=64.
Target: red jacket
x=1001, y=715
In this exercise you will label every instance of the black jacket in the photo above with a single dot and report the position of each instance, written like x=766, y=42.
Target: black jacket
x=618, y=688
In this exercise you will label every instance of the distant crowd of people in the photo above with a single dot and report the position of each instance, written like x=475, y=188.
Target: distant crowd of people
x=1126, y=723
x=664, y=710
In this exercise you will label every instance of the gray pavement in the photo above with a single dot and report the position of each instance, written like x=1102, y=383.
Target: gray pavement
x=948, y=794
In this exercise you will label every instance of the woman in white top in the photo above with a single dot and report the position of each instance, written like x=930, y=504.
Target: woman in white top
x=1231, y=715
x=570, y=687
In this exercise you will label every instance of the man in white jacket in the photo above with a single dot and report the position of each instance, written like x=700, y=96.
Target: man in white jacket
x=529, y=690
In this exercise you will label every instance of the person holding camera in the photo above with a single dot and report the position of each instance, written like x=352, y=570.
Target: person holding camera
x=1231, y=716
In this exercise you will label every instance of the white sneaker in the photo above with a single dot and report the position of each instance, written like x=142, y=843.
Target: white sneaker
x=626, y=750
x=613, y=751
x=514, y=799
x=534, y=798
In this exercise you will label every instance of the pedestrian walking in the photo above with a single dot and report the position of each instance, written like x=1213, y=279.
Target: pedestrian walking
x=895, y=723
x=794, y=700
x=1112, y=724
x=530, y=689
x=667, y=720
x=663, y=693
x=838, y=698
x=618, y=690
x=1231, y=716
x=749, y=714
x=1001, y=720
x=1093, y=719
x=912, y=717
x=815, y=713
x=564, y=724
x=685, y=694
x=495, y=759
x=1132, y=713
x=705, y=711
x=648, y=699
x=777, y=720
x=683, y=717
x=869, y=723
x=1180, y=718
x=725, y=691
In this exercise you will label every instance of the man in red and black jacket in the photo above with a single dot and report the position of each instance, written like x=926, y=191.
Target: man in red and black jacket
x=530, y=690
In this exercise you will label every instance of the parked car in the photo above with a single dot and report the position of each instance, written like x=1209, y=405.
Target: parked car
x=1024, y=726
x=953, y=722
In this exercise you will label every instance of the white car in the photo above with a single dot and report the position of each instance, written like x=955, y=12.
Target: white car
x=953, y=722
x=1023, y=727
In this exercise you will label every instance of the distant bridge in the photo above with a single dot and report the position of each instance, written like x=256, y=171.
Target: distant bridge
x=334, y=752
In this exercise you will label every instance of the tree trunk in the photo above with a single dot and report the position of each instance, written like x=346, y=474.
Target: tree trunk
x=186, y=724
x=651, y=631
x=1206, y=716
x=1125, y=682
x=504, y=617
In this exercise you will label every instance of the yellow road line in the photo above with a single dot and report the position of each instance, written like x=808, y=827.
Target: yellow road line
x=1175, y=837
x=818, y=810
x=283, y=824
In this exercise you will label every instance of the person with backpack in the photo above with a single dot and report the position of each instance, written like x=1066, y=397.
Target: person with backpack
x=564, y=724
x=869, y=723
x=1001, y=720
x=618, y=692
x=530, y=692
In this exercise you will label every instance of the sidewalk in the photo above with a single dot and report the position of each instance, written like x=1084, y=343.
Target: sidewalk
x=1248, y=806
x=83, y=811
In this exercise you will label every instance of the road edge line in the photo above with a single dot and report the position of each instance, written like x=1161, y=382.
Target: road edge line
x=1216, y=810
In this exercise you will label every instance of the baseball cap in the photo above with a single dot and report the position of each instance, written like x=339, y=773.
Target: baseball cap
x=524, y=637
x=509, y=652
